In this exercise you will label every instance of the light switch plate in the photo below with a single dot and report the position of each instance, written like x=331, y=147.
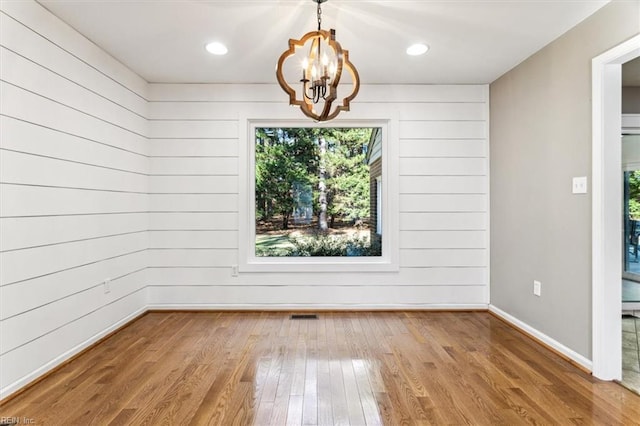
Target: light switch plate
x=580, y=185
x=537, y=288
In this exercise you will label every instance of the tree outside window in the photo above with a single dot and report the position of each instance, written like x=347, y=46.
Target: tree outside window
x=312, y=192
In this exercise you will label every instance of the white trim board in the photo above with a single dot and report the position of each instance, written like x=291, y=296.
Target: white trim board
x=541, y=337
x=389, y=260
x=312, y=307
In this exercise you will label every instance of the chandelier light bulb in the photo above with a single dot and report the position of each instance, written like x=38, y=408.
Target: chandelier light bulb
x=332, y=69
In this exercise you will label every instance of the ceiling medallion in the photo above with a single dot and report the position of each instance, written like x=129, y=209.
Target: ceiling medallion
x=322, y=71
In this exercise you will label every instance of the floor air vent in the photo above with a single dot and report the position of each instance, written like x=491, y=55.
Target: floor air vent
x=304, y=316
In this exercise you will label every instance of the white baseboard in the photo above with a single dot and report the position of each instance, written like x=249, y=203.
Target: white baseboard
x=554, y=344
x=22, y=382
x=311, y=307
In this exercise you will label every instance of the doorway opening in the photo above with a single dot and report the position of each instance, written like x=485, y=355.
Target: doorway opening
x=607, y=223
x=631, y=220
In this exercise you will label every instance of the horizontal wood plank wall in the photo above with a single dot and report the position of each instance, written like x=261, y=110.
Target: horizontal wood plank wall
x=74, y=187
x=105, y=176
x=194, y=195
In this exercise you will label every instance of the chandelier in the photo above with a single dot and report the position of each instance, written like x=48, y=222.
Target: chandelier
x=321, y=67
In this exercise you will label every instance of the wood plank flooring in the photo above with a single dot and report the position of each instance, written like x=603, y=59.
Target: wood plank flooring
x=346, y=368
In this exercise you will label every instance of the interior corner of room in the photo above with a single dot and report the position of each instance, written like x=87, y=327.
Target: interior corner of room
x=128, y=188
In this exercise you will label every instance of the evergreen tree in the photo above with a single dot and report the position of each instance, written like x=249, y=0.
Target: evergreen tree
x=329, y=160
x=348, y=184
x=284, y=158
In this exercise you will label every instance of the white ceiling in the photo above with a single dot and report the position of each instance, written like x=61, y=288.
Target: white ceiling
x=472, y=41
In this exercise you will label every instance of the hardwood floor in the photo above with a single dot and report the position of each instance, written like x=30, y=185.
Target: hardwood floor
x=346, y=368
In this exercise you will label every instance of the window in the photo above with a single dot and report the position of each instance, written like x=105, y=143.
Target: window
x=631, y=224
x=313, y=191
x=312, y=194
x=631, y=198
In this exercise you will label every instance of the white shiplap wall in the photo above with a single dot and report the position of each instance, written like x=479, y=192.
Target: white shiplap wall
x=105, y=176
x=73, y=193
x=196, y=132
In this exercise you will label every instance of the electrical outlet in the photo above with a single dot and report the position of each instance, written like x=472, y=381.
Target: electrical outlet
x=106, y=284
x=537, y=288
x=234, y=270
x=579, y=185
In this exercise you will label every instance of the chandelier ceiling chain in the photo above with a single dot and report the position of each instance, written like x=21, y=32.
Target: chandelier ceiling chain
x=321, y=73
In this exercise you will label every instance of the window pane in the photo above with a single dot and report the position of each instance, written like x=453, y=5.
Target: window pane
x=632, y=221
x=313, y=192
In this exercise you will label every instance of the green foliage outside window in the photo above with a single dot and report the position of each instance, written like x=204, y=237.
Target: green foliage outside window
x=312, y=181
x=634, y=195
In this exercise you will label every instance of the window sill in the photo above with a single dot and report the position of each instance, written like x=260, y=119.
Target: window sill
x=317, y=264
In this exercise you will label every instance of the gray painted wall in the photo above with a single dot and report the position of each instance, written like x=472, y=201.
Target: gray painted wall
x=540, y=139
x=631, y=99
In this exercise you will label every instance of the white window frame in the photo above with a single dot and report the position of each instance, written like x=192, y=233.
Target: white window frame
x=249, y=262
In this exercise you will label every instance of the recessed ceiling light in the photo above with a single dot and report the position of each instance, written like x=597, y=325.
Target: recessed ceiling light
x=216, y=48
x=417, y=49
